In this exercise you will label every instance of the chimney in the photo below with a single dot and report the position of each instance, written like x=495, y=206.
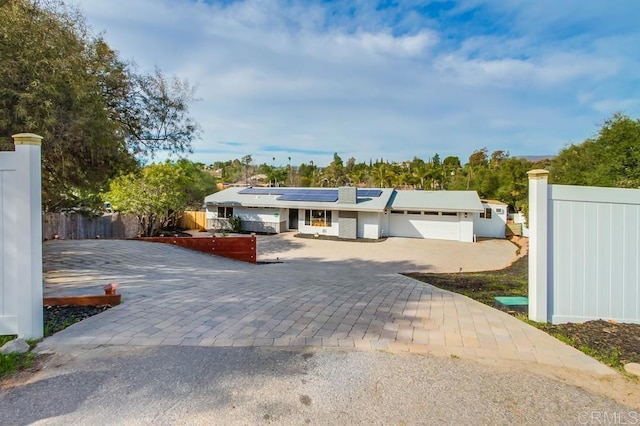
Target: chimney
x=347, y=195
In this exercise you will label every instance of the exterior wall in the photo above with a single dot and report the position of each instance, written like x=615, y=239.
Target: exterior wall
x=466, y=228
x=21, y=239
x=494, y=227
x=348, y=225
x=587, y=266
x=332, y=230
x=369, y=225
x=253, y=219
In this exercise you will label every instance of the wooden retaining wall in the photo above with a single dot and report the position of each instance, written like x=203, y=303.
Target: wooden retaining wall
x=237, y=248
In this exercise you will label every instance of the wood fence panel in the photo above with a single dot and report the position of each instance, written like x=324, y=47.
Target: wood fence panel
x=193, y=220
x=73, y=226
x=237, y=248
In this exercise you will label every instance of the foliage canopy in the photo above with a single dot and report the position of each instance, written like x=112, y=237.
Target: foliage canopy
x=97, y=114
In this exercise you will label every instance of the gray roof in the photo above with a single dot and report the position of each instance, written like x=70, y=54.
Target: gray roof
x=232, y=197
x=444, y=201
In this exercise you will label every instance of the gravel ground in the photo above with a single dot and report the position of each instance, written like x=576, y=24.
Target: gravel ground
x=192, y=385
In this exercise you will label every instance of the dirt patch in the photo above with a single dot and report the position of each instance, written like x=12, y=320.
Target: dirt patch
x=607, y=339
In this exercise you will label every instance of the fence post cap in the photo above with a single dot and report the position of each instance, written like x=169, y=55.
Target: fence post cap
x=27, y=139
x=538, y=174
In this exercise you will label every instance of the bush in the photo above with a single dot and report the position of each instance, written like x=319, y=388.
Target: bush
x=236, y=223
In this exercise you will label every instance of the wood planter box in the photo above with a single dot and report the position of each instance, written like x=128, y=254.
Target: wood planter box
x=90, y=300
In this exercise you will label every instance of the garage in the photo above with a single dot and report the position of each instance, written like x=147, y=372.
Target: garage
x=417, y=224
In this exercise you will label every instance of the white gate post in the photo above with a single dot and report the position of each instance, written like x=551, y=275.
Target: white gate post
x=29, y=230
x=538, y=249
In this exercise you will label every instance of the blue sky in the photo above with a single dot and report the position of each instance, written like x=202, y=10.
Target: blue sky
x=392, y=79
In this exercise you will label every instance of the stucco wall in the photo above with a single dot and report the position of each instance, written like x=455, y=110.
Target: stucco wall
x=369, y=225
x=320, y=230
x=494, y=227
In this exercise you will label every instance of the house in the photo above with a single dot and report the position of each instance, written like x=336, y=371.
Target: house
x=349, y=212
x=492, y=221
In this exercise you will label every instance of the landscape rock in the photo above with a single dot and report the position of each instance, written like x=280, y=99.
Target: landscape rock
x=632, y=368
x=15, y=346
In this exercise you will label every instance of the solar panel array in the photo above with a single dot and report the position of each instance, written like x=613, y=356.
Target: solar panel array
x=369, y=192
x=305, y=194
x=320, y=195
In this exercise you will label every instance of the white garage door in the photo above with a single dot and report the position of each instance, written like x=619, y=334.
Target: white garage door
x=424, y=226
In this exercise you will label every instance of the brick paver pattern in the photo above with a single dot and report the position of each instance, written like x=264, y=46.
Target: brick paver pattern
x=173, y=296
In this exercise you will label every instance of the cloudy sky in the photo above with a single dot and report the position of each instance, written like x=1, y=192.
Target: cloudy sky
x=388, y=79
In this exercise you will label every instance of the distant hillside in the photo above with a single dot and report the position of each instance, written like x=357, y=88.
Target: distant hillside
x=534, y=158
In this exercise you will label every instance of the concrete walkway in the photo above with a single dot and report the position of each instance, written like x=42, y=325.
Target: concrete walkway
x=177, y=297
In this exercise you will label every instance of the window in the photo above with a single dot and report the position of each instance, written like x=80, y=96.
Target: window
x=487, y=213
x=499, y=211
x=397, y=211
x=413, y=212
x=317, y=217
x=449, y=214
x=225, y=212
x=431, y=213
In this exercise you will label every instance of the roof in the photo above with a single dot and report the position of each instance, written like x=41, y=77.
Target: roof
x=444, y=201
x=234, y=197
x=496, y=202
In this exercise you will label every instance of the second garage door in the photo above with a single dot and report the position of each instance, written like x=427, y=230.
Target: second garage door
x=420, y=225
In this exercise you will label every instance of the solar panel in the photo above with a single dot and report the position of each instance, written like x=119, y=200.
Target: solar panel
x=369, y=192
x=311, y=195
x=262, y=191
x=303, y=194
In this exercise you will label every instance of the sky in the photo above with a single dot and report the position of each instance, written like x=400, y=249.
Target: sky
x=388, y=79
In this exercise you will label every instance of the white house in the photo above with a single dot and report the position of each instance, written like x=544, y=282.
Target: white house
x=348, y=212
x=492, y=220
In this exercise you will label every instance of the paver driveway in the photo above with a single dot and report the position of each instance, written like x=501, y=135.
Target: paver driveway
x=174, y=296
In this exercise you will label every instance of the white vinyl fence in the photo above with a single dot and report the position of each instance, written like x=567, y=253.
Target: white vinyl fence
x=21, y=238
x=584, y=260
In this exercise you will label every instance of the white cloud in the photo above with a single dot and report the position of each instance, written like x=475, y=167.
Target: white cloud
x=371, y=84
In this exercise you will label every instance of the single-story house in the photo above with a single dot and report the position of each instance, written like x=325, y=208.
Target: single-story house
x=349, y=212
x=492, y=222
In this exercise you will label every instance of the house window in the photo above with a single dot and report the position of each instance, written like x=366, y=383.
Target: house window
x=449, y=214
x=413, y=212
x=431, y=213
x=499, y=211
x=317, y=217
x=225, y=212
x=487, y=213
x=397, y=211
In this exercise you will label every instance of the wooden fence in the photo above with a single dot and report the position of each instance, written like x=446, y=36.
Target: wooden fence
x=193, y=220
x=73, y=226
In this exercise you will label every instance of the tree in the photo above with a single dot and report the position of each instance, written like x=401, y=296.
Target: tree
x=612, y=158
x=478, y=158
x=96, y=113
x=200, y=183
x=152, y=195
x=246, y=161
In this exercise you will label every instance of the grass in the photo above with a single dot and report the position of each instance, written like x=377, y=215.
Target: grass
x=483, y=286
x=11, y=363
x=513, y=281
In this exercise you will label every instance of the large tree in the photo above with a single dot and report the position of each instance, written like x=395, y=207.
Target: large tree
x=98, y=115
x=612, y=158
x=157, y=193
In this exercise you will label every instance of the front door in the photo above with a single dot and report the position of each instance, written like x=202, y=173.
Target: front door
x=293, y=218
